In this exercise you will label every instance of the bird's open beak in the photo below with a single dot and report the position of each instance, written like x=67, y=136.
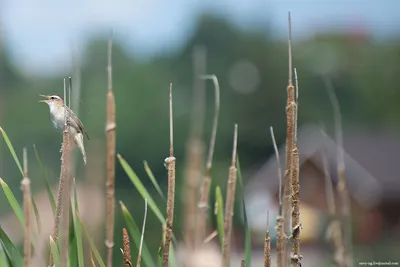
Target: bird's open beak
x=44, y=100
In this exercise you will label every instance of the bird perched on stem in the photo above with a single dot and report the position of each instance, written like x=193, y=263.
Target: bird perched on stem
x=57, y=113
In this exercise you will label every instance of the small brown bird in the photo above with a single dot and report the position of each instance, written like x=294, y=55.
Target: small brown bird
x=57, y=113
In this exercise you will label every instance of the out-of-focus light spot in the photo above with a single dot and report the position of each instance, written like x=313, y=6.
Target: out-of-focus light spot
x=244, y=77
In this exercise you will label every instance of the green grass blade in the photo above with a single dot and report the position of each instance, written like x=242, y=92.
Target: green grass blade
x=172, y=258
x=136, y=234
x=145, y=195
x=153, y=180
x=78, y=231
x=4, y=259
x=46, y=181
x=6, y=255
x=72, y=239
x=247, y=250
x=141, y=188
x=10, y=147
x=13, y=202
x=91, y=243
x=16, y=207
x=37, y=216
x=160, y=254
x=55, y=252
x=13, y=253
x=219, y=202
x=239, y=173
x=91, y=258
x=72, y=260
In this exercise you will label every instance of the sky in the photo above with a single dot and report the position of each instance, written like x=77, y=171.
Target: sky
x=42, y=33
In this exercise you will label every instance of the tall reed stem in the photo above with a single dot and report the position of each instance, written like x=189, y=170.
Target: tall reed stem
x=170, y=161
x=267, y=246
x=205, y=188
x=195, y=150
x=26, y=189
x=280, y=236
x=341, y=186
x=289, y=138
x=334, y=230
x=230, y=200
x=110, y=132
x=63, y=186
x=295, y=257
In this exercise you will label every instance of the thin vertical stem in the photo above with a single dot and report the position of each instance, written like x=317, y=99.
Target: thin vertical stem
x=334, y=231
x=230, y=199
x=170, y=161
x=65, y=206
x=110, y=133
x=205, y=187
x=341, y=186
x=27, y=211
x=63, y=183
x=278, y=161
x=171, y=124
x=280, y=237
x=267, y=245
x=195, y=150
x=295, y=257
x=289, y=138
x=290, y=48
x=142, y=236
x=215, y=120
x=296, y=117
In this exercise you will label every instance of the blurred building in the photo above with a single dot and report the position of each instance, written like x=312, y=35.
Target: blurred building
x=372, y=177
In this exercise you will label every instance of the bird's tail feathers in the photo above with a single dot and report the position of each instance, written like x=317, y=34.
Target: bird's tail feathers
x=79, y=142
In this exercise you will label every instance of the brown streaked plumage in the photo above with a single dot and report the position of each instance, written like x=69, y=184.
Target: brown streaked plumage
x=57, y=112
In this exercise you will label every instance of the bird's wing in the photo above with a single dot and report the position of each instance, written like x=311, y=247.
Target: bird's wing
x=78, y=122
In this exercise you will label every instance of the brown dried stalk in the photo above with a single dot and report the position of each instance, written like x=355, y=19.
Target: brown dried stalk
x=341, y=186
x=195, y=150
x=141, y=238
x=91, y=258
x=205, y=188
x=289, y=137
x=26, y=189
x=170, y=161
x=63, y=191
x=242, y=263
x=267, y=245
x=110, y=132
x=126, y=248
x=65, y=206
x=295, y=257
x=280, y=241
x=334, y=232
x=280, y=237
x=230, y=199
x=296, y=107
x=210, y=237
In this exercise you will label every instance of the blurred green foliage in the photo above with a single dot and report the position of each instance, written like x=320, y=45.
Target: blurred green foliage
x=363, y=70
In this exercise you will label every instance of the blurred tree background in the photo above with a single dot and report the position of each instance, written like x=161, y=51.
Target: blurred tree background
x=252, y=69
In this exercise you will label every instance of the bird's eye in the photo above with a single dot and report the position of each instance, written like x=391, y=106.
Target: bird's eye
x=52, y=97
